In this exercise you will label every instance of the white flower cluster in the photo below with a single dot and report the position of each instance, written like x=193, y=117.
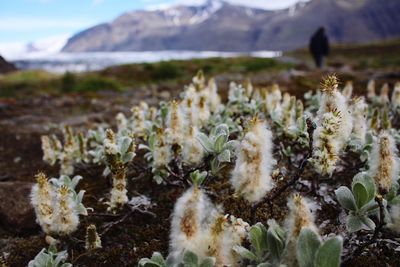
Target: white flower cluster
x=384, y=162
x=251, y=176
x=56, y=204
x=118, y=153
x=360, y=112
x=273, y=100
x=93, y=240
x=137, y=124
x=396, y=96
x=299, y=217
x=73, y=151
x=334, y=127
x=183, y=120
x=197, y=225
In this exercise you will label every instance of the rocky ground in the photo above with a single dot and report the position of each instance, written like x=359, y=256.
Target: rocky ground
x=23, y=121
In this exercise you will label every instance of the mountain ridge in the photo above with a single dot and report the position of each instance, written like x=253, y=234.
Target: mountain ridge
x=222, y=26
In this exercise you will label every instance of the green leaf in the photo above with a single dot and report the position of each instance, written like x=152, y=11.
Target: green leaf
x=152, y=141
x=361, y=194
x=369, y=224
x=158, y=258
x=370, y=208
x=392, y=193
x=328, y=255
x=190, y=259
x=225, y=156
x=353, y=223
x=346, y=198
x=208, y=262
x=214, y=164
x=148, y=263
x=75, y=181
x=307, y=246
x=222, y=129
x=220, y=142
x=124, y=144
x=275, y=244
x=245, y=253
x=367, y=182
x=231, y=145
x=255, y=236
x=369, y=138
x=364, y=156
x=205, y=142
x=127, y=157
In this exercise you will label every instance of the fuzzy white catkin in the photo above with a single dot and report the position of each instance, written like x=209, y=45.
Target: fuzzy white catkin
x=360, y=112
x=190, y=221
x=66, y=219
x=192, y=152
x=51, y=148
x=162, y=153
x=299, y=217
x=92, y=239
x=251, y=176
x=396, y=95
x=67, y=155
x=225, y=233
x=122, y=122
x=42, y=197
x=334, y=127
x=190, y=107
x=384, y=94
x=273, y=102
x=175, y=124
x=204, y=110
x=371, y=90
x=336, y=101
x=214, y=100
x=138, y=120
x=348, y=90
x=118, y=192
x=384, y=161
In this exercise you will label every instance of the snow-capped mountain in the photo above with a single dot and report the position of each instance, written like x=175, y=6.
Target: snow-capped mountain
x=20, y=50
x=222, y=26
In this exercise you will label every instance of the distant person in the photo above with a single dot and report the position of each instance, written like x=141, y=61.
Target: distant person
x=319, y=46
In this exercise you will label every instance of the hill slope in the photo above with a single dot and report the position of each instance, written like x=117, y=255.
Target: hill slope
x=220, y=26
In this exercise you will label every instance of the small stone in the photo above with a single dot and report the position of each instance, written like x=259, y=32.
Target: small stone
x=16, y=211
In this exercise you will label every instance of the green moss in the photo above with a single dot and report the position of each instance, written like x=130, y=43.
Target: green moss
x=96, y=83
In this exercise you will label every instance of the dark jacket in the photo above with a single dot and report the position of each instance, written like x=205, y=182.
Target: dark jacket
x=319, y=45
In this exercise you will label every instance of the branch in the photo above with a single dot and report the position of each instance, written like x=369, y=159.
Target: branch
x=276, y=192
x=122, y=219
x=378, y=228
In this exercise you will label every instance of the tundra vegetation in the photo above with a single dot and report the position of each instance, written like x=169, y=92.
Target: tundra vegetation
x=253, y=177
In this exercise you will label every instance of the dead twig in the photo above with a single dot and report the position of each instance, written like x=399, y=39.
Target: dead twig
x=276, y=192
x=122, y=219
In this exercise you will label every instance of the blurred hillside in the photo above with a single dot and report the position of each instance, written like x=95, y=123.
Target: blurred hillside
x=221, y=26
x=370, y=60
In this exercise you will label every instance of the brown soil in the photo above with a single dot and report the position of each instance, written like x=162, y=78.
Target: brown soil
x=23, y=121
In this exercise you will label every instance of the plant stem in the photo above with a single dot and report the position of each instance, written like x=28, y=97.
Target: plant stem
x=378, y=228
x=108, y=226
x=276, y=192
